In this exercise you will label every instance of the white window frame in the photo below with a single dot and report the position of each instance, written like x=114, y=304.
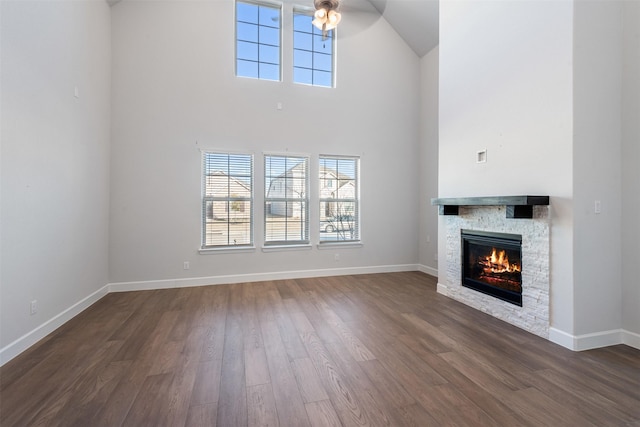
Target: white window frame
x=298, y=10
x=229, y=199
x=347, y=231
x=286, y=204
x=258, y=3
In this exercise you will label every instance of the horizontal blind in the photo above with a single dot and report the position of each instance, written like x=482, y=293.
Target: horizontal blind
x=286, y=202
x=227, y=200
x=339, y=199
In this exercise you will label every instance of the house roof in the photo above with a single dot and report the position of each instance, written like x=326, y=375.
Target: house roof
x=235, y=180
x=342, y=178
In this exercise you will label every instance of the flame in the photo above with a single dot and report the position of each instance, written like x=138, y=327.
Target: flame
x=498, y=262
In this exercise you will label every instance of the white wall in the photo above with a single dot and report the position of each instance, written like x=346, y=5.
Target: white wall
x=55, y=161
x=558, y=112
x=429, y=160
x=506, y=86
x=597, y=259
x=174, y=92
x=631, y=169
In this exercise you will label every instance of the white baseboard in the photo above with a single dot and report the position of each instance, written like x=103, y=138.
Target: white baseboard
x=255, y=277
x=428, y=270
x=32, y=337
x=594, y=340
x=576, y=343
x=598, y=339
x=562, y=338
x=631, y=339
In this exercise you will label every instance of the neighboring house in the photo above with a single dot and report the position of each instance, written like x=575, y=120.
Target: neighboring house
x=291, y=185
x=336, y=186
x=285, y=187
x=219, y=185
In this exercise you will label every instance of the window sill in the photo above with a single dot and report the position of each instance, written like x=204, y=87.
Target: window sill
x=280, y=248
x=226, y=250
x=333, y=245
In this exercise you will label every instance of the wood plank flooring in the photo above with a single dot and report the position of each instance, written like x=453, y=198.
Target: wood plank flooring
x=382, y=349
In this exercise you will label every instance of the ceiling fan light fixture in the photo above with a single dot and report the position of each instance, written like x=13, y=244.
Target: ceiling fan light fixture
x=333, y=18
x=320, y=19
x=326, y=15
x=330, y=26
x=326, y=4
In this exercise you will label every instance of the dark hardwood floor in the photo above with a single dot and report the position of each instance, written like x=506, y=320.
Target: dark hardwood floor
x=381, y=349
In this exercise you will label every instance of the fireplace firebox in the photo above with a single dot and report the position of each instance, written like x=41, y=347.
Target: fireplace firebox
x=492, y=264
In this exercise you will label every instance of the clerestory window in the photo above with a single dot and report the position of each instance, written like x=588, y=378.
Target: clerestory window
x=313, y=62
x=258, y=35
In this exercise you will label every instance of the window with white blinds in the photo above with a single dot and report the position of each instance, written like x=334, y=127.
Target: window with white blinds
x=286, y=201
x=227, y=200
x=339, y=199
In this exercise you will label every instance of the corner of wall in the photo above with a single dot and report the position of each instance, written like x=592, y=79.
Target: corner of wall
x=32, y=337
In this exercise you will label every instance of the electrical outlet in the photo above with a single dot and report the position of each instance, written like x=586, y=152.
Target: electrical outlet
x=34, y=307
x=481, y=156
x=185, y=265
x=336, y=257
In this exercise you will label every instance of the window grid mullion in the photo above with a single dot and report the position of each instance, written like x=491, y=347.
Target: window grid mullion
x=313, y=59
x=315, y=78
x=259, y=26
x=260, y=72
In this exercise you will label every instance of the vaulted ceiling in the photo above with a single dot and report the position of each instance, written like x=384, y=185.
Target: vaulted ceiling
x=416, y=21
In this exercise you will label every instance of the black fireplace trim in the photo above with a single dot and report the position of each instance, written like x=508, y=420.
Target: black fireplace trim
x=503, y=239
x=516, y=206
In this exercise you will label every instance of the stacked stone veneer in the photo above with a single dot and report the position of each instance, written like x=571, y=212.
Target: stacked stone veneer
x=533, y=316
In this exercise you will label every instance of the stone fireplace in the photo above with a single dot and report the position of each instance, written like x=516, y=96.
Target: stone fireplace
x=517, y=293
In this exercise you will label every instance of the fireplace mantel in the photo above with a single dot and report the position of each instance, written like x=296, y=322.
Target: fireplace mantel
x=517, y=206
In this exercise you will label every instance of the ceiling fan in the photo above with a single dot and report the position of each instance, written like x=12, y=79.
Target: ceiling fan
x=328, y=14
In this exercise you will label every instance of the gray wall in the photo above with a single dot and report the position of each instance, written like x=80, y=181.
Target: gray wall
x=174, y=92
x=55, y=159
x=429, y=161
x=631, y=169
x=597, y=260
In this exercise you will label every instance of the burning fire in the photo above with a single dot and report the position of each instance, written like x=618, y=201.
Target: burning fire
x=498, y=262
